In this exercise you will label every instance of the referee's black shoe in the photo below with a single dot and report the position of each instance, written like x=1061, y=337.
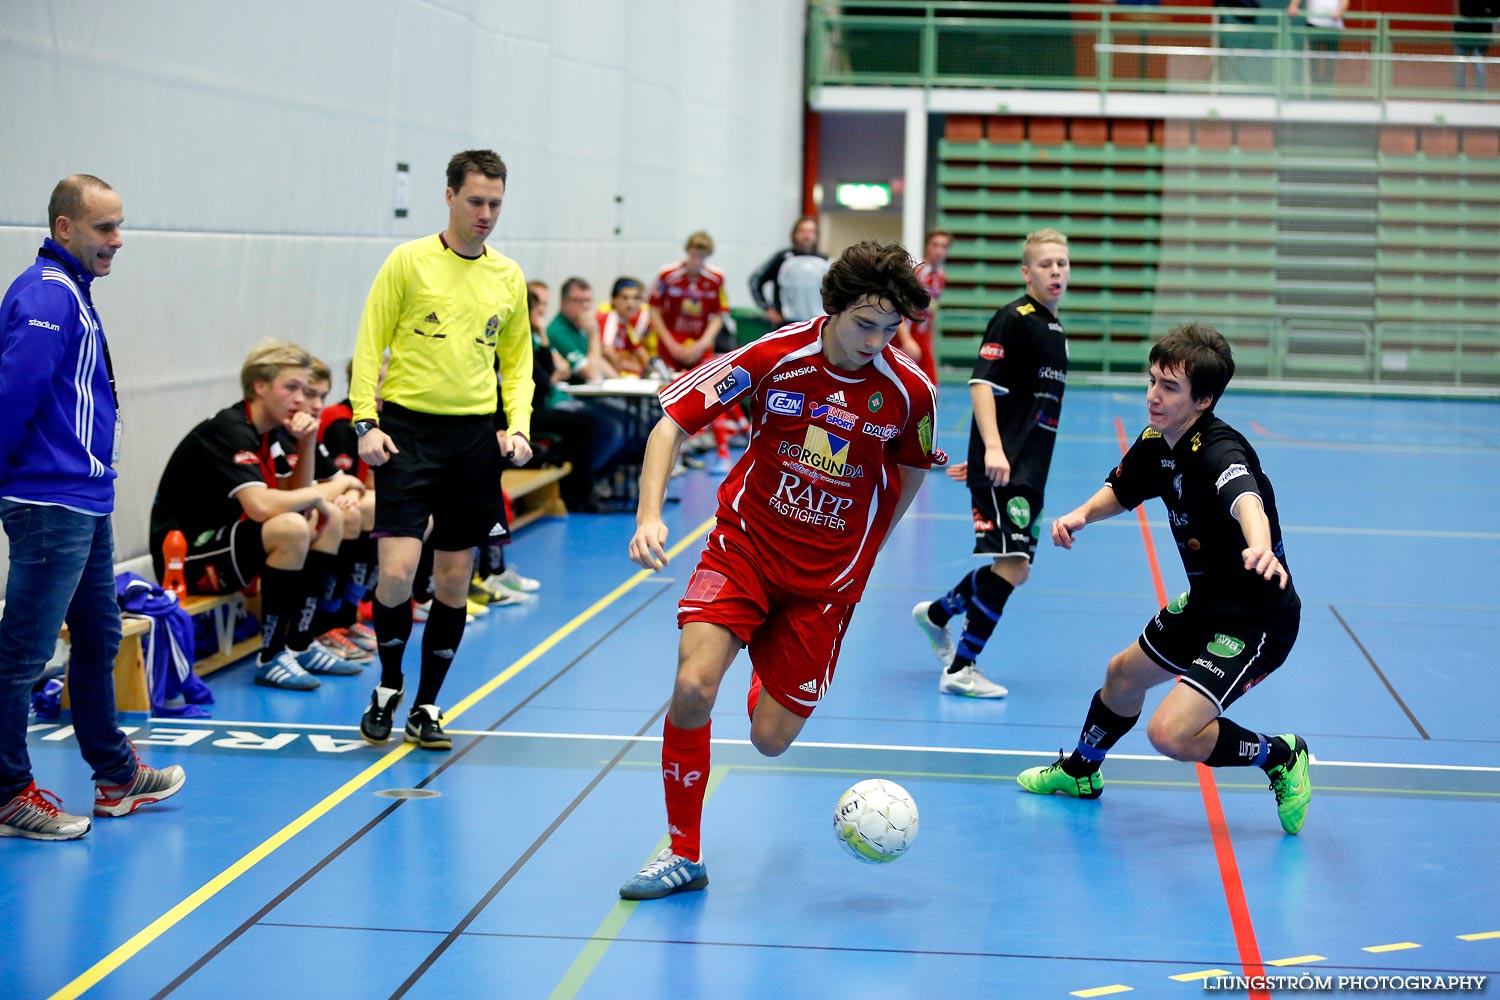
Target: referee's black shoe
x=424, y=729
x=375, y=724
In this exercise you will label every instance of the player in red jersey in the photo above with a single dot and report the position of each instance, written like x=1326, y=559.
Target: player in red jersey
x=688, y=305
x=841, y=443
x=625, y=329
x=916, y=337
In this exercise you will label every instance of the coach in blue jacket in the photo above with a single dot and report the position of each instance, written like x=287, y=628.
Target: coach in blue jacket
x=59, y=440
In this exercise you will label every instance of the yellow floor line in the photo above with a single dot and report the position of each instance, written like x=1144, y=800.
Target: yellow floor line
x=1187, y=977
x=1298, y=960
x=1399, y=946
x=1485, y=936
x=96, y=973
x=1102, y=991
x=609, y=928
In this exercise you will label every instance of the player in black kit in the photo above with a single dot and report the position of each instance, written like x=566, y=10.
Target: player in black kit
x=1017, y=391
x=1238, y=621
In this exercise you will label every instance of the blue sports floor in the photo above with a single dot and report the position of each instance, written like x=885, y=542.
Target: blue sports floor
x=299, y=861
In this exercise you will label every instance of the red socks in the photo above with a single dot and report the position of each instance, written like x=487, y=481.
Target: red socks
x=684, y=774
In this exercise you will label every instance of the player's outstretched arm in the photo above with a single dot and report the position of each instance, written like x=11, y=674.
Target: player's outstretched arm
x=1099, y=507
x=647, y=545
x=1259, y=556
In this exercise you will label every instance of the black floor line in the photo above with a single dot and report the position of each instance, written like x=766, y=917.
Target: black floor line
x=385, y=813
x=1221, y=963
x=536, y=845
x=1378, y=672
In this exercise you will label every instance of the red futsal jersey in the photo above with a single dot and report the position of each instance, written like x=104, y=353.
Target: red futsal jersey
x=814, y=493
x=934, y=279
x=686, y=301
x=621, y=334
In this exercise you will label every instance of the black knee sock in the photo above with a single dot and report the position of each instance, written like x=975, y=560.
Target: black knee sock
x=990, y=594
x=392, y=630
x=492, y=558
x=317, y=578
x=942, y=610
x=1241, y=747
x=328, y=592
x=280, y=599
x=444, y=631
x=1102, y=729
x=358, y=576
x=422, y=585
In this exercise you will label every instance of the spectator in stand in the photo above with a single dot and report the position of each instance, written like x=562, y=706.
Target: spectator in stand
x=574, y=334
x=59, y=441
x=240, y=489
x=688, y=304
x=625, y=329
x=586, y=435
x=1475, y=24
x=788, y=287
x=1325, y=19
x=916, y=336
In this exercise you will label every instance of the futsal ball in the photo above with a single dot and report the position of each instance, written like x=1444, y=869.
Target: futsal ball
x=876, y=821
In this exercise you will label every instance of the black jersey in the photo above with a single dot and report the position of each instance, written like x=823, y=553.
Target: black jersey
x=221, y=456
x=1024, y=358
x=1200, y=480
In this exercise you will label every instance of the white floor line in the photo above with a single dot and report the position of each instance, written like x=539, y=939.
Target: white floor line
x=901, y=748
x=1308, y=529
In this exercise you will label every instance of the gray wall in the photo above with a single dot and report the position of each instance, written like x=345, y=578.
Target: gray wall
x=254, y=147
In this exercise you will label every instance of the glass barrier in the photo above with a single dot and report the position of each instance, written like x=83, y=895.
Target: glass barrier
x=1147, y=48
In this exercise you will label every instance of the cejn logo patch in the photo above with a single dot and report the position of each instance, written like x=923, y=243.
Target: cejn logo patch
x=788, y=404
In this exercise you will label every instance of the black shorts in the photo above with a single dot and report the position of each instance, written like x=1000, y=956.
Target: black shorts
x=222, y=561
x=1007, y=522
x=448, y=468
x=1221, y=657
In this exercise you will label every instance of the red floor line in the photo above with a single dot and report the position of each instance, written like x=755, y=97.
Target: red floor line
x=1229, y=869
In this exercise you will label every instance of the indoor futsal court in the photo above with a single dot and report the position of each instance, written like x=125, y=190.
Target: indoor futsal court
x=301, y=861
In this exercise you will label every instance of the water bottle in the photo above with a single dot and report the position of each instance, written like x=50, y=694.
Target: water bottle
x=174, y=550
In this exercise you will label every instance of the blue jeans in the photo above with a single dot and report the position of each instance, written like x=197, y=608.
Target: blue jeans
x=62, y=567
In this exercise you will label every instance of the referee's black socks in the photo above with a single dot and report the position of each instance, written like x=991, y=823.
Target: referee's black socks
x=440, y=639
x=392, y=630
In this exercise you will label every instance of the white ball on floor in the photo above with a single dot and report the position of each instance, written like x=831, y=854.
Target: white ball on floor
x=876, y=820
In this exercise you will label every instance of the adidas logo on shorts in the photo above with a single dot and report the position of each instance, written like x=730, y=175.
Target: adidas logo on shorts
x=432, y=318
x=811, y=687
x=497, y=530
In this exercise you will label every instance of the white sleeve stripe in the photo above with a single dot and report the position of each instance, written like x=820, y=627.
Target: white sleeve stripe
x=83, y=372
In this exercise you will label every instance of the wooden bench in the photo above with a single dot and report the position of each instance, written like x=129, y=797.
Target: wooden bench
x=224, y=609
x=132, y=691
x=535, y=493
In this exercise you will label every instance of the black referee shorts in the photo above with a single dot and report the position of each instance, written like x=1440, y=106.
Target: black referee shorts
x=448, y=468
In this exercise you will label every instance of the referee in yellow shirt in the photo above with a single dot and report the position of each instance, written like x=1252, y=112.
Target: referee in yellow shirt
x=445, y=307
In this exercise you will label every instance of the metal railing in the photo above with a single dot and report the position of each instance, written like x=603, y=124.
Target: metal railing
x=1097, y=47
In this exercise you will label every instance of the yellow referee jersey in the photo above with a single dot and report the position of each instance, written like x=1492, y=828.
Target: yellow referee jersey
x=445, y=319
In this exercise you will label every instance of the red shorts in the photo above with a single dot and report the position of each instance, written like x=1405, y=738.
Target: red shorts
x=794, y=640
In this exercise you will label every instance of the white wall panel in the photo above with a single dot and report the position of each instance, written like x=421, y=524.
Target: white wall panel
x=254, y=148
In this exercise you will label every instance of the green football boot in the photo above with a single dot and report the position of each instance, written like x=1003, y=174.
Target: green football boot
x=1052, y=779
x=1292, y=787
